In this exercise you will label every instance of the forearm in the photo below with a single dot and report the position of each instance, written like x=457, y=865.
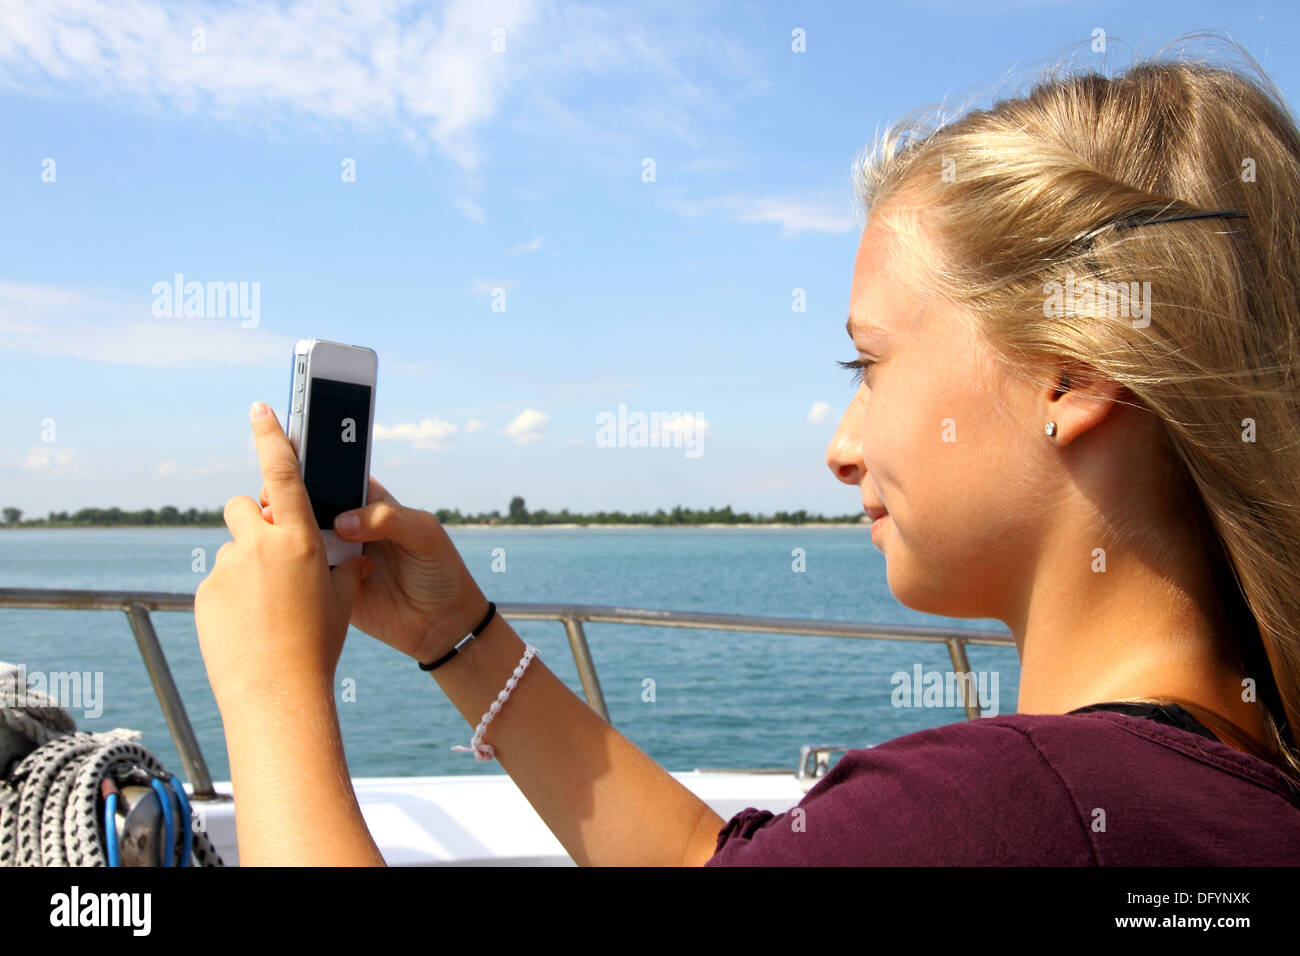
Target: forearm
x=294, y=802
x=605, y=800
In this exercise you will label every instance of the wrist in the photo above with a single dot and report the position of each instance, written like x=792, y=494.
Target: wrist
x=449, y=629
x=294, y=694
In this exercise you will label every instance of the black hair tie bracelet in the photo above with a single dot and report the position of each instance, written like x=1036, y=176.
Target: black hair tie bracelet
x=491, y=611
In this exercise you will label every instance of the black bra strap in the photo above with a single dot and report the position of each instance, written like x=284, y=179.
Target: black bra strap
x=1170, y=714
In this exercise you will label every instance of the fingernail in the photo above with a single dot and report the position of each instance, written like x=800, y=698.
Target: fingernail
x=259, y=409
x=349, y=523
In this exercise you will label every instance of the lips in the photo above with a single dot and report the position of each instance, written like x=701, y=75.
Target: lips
x=875, y=513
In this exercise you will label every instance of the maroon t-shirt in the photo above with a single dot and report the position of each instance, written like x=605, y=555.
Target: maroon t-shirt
x=1082, y=789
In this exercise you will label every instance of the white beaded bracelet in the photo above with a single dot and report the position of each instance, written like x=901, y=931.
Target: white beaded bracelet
x=481, y=750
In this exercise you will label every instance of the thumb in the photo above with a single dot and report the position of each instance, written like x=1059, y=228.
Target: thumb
x=385, y=520
x=348, y=577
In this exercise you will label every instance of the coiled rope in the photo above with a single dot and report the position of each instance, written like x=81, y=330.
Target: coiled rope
x=51, y=804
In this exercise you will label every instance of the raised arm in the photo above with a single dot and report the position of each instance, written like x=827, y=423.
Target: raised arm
x=605, y=800
x=272, y=617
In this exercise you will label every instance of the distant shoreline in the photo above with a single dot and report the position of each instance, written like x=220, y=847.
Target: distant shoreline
x=484, y=527
x=630, y=524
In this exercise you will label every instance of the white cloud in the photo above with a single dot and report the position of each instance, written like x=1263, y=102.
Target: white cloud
x=689, y=424
x=794, y=216
x=488, y=286
x=103, y=327
x=528, y=426
x=429, y=76
x=472, y=210
x=430, y=434
x=531, y=246
x=50, y=459
x=820, y=414
x=679, y=77
x=423, y=75
x=474, y=425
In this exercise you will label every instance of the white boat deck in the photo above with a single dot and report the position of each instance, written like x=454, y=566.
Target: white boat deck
x=484, y=819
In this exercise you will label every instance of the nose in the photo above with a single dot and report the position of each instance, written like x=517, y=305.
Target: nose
x=844, y=454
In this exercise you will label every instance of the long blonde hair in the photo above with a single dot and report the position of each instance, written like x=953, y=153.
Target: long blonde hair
x=999, y=203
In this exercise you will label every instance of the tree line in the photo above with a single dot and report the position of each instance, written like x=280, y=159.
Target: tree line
x=516, y=514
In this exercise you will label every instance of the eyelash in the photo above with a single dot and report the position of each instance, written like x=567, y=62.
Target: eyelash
x=858, y=368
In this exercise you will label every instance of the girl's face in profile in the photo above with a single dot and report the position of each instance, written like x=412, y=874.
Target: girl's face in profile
x=926, y=439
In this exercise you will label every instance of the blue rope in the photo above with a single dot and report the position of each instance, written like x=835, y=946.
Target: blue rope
x=168, y=846
x=188, y=817
x=110, y=828
x=164, y=794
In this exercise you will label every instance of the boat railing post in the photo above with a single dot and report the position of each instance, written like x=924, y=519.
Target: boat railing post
x=586, y=667
x=960, y=664
x=178, y=721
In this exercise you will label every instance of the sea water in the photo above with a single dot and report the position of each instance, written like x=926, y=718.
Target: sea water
x=688, y=698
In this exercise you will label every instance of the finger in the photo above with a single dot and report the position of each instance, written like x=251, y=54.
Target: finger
x=408, y=527
x=347, y=579
x=377, y=492
x=242, y=515
x=285, y=490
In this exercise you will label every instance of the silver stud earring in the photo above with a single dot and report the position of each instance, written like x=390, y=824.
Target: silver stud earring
x=1051, y=429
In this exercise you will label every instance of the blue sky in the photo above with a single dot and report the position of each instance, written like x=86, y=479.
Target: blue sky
x=221, y=156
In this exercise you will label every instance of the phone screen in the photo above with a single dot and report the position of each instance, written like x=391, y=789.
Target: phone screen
x=338, y=423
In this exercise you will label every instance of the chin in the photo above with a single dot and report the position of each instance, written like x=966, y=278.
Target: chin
x=920, y=593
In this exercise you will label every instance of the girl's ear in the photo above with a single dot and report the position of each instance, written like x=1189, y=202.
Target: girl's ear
x=1080, y=401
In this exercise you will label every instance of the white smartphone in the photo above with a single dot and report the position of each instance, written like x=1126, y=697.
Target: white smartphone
x=330, y=422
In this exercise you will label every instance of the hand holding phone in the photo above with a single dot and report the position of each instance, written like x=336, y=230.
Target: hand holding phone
x=419, y=597
x=270, y=606
x=330, y=423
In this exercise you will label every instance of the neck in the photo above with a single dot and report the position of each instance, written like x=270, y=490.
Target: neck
x=1132, y=631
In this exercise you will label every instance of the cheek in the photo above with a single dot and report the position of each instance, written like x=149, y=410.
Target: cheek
x=914, y=444
x=965, y=496
x=939, y=457
x=943, y=479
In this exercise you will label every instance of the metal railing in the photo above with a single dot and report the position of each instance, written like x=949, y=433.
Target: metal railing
x=137, y=605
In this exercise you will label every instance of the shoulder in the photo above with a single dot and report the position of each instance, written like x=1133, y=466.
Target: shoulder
x=1032, y=789
x=968, y=793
